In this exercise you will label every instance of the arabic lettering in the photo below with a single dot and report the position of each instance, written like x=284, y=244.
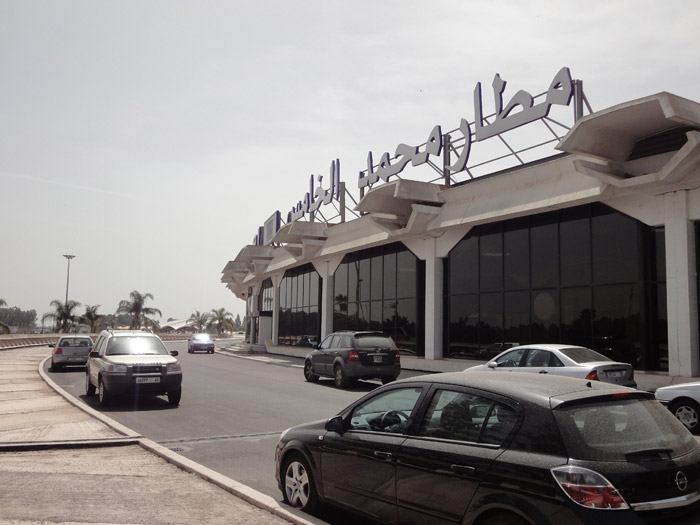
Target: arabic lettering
x=560, y=92
x=317, y=195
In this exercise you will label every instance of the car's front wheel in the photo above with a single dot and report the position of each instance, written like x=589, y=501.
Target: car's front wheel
x=174, y=396
x=687, y=412
x=89, y=387
x=309, y=372
x=104, y=396
x=299, y=490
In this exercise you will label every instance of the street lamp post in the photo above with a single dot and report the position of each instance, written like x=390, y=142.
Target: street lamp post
x=69, y=257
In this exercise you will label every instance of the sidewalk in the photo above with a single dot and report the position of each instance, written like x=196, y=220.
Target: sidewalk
x=62, y=462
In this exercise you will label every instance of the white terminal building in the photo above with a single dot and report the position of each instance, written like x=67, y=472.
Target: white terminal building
x=518, y=226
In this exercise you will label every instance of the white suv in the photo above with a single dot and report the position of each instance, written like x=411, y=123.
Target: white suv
x=132, y=362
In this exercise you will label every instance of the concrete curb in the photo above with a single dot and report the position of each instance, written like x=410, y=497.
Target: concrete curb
x=258, y=499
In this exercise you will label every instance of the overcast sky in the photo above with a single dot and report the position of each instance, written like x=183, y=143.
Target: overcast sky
x=151, y=138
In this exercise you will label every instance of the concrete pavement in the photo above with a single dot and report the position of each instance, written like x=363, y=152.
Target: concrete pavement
x=62, y=462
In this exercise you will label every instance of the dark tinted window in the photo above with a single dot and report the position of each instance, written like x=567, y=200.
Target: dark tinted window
x=622, y=430
x=374, y=341
x=462, y=416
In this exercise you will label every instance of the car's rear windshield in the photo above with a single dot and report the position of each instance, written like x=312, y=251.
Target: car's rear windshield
x=136, y=346
x=583, y=355
x=622, y=430
x=73, y=342
x=374, y=341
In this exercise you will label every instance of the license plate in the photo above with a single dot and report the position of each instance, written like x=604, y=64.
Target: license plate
x=616, y=373
x=148, y=379
x=74, y=358
x=377, y=358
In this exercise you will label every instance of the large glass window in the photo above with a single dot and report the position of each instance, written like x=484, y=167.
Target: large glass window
x=300, y=300
x=381, y=289
x=587, y=276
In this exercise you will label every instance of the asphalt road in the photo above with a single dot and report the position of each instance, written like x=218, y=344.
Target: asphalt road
x=232, y=412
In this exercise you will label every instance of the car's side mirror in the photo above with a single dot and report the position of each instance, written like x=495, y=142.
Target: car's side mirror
x=492, y=364
x=94, y=354
x=174, y=353
x=335, y=424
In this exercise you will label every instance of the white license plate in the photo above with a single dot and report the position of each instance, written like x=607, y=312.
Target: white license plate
x=377, y=358
x=616, y=373
x=148, y=379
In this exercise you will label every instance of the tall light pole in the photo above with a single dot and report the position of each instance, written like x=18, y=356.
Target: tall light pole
x=69, y=257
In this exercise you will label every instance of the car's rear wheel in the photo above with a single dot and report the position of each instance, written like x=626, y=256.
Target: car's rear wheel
x=55, y=367
x=89, y=387
x=309, y=372
x=104, y=396
x=299, y=490
x=687, y=412
x=339, y=376
x=174, y=396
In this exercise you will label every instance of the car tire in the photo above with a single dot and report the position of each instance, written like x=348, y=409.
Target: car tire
x=89, y=387
x=503, y=518
x=104, y=396
x=339, y=376
x=55, y=367
x=174, y=396
x=687, y=412
x=387, y=379
x=298, y=488
x=309, y=372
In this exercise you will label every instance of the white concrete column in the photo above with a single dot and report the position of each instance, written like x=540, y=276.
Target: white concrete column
x=434, y=275
x=681, y=287
x=276, y=280
x=326, y=270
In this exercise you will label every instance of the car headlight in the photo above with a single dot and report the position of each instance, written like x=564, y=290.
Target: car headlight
x=116, y=369
x=173, y=367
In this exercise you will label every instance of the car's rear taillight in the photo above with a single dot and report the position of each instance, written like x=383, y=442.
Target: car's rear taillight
x=593, y=374
x=354, y=356
x=588, y=488
x=58, y=351
x=397, y=356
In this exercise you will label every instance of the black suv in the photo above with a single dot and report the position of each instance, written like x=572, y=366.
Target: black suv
x=345, y=356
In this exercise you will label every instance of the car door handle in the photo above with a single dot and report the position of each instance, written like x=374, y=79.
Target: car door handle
x=383, y=455
x=543, y=372
x=463, y=469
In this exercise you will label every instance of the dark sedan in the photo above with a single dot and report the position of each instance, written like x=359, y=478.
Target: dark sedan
x=347, y=355
x=200, y=343
x=477, y=448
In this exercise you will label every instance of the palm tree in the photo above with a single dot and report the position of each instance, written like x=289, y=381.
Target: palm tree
x=62, y=316
x=199, y=319
x=91, y=317
x=221, y=319
x=4, y=329
x=138, y=310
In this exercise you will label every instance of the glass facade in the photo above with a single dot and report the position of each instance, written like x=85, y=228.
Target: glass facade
x=382, y=289
x=300, y=300
x=587, y=275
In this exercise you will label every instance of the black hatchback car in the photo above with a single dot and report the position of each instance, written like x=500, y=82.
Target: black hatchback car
x=347, y=355
x=473, y=448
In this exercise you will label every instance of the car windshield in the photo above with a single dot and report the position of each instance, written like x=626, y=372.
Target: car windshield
x=583, y=355
x=622, y=430
x=374, y=341
x=201, y=337
x=136, y=346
